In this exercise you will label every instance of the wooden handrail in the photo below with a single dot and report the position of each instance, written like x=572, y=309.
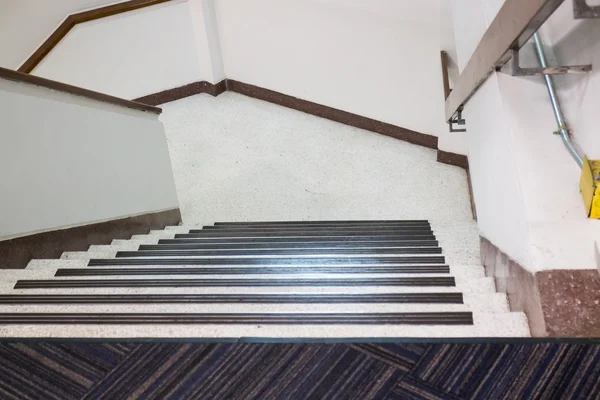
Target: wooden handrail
x=79, y=18
x=514, y=25
x=447, y=89
x=77, y=91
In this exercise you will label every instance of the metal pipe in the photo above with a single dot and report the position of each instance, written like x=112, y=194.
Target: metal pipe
x=563, y=131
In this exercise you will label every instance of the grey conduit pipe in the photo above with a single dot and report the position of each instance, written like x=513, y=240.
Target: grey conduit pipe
x=563, y=131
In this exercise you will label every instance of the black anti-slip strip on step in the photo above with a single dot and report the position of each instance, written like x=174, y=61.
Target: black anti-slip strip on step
x=430, y=318
x=332, y=222
x=273, y=282
x=406, y=269
x=306, y=237
x=405, y=298
x=278, y=252
x=306, y=242
x=311, y=228
x=186, y=244
x=269, y=261
x=311, y=232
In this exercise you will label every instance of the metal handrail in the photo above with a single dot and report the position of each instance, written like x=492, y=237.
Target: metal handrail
x=563, y=131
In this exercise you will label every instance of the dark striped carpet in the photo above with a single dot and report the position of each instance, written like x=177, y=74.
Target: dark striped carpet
x=298, y=371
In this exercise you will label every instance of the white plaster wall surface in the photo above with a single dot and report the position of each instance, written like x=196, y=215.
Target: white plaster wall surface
x=454, y=142
x=501, y=213
x=131, y=55
x=25, y=24
x=67, y=161
x=379, y=59
x=511, y=146
x=469, y=26
x=237, y=158
x=207, y=37
x=577, y=42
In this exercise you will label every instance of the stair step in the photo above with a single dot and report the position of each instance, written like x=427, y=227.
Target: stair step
x=443, y=318
x=462, y=271
x=481, y=286
x=314, y=231
x=86, y=255
x=420, y=269
x=491, y=303
x=106, y=283
x=181, y=244
x=349, y=226
x=266, y=298
x=232, y=308
x=156, y=235
x=351, y=240
x=150, y=240
x=513, y=324
x=278, y=252
x=503, y=325
x=112, y=249
x=389, y=302
x=486, y=302
x=181, y=261
x=331, y=222
x=365, y=235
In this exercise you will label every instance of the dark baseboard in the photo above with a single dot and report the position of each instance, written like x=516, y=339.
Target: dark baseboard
x=333, y=114
x=462, y=161
x=16, y=253
x=184, y=91
x=558, y=303
x=459, y=160
x=295, y=103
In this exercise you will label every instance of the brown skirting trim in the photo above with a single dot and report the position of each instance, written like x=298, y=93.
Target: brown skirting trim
x=74, y=90
x=184, y=91
x=558, y=303
x=79, y=18
x=333, y=114
x=16, y=253
x=471, y=195
x=295, y=103
x=458, y=160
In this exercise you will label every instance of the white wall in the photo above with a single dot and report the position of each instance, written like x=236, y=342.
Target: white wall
x=133, y=54
x=525, y=182
x=67, y=160
x=378, y=59
x=25, y=24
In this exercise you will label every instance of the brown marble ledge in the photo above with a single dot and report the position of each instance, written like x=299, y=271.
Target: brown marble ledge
x=558, y=303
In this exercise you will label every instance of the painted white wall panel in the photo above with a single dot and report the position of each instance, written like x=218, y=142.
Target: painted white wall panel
x=67, y=160
x=378, y=59
x=132, y=54
x=512, y=148
x=25, y=24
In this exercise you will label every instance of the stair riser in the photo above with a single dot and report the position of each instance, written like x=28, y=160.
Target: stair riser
x=307, y=241
x=313, y=261
x=446, y=318
x=248, y=299
x=327, y=223
x=315, y=231
x=255, y=282
x=140, y=271
x=225, y=308
x=275, y=252
x=175, y=244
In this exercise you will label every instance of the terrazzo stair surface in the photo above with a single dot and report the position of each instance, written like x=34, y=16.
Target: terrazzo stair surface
x=320, y=279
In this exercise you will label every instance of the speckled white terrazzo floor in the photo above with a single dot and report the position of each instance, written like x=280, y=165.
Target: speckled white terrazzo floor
x=237, y=159
x=240, y=159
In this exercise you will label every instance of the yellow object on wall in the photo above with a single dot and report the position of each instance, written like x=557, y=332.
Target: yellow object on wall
x=590, y=187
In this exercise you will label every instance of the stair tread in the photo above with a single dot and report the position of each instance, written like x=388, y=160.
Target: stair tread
x=319, y=279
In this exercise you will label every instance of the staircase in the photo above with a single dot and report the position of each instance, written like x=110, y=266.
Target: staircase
x=317, y=279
